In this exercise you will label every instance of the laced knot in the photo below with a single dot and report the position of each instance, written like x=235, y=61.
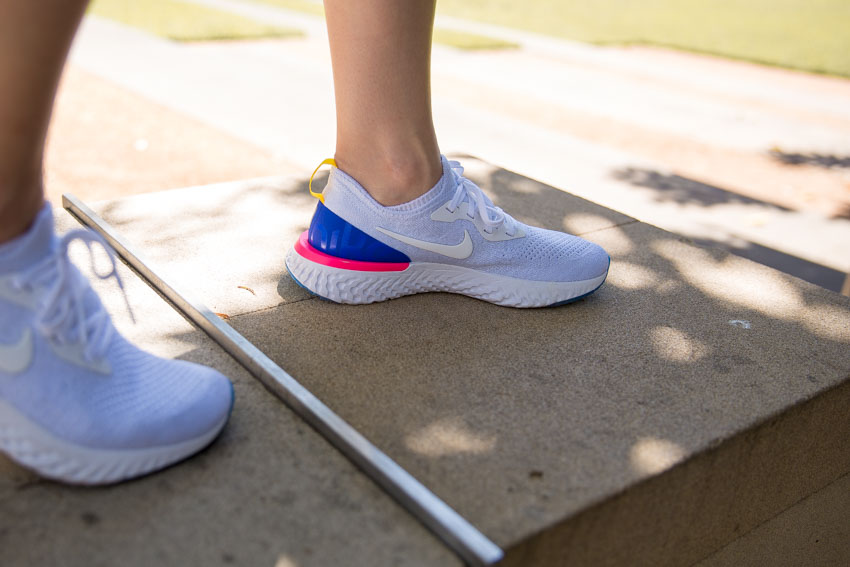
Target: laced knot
x=492, y=217
x=61, y=314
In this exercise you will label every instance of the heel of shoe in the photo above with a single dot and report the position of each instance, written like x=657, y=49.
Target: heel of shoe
x=332, y=235
x=344, y=281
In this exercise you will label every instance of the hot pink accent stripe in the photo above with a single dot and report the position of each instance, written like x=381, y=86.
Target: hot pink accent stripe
x=306, y=250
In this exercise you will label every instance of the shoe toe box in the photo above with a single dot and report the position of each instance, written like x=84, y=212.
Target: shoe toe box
x=561, y=257
x=591, y=264
x=198, y=410
x=155, y=402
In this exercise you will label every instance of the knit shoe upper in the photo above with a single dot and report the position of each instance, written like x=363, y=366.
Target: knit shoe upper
x=452, y=230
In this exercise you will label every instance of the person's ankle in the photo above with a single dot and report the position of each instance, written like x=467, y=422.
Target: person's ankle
x=18, y=210
x=393, y=179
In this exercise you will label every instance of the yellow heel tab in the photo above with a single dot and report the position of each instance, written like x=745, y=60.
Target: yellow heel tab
x=319, y=196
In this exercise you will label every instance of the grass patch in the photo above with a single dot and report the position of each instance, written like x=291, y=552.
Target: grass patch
x=810, y=35
x=451, y=38
x=463, y=40
x=182, y=21
x=306, y=6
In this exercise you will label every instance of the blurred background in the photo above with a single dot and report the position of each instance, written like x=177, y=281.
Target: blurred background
x=726, y=121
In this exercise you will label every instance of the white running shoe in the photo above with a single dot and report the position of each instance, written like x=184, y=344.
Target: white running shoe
x=78, y=403
x=451, y=239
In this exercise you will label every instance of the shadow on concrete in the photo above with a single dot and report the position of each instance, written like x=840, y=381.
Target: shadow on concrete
x=224, y=232
x=812, y=272
x=685, y=191
x=819, y=160
x=124, y=212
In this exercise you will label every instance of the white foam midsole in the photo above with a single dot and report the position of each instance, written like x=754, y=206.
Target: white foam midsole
x=33, y=446
x=358, y=287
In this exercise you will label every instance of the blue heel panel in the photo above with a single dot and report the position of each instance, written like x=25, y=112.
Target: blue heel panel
x=331, y=234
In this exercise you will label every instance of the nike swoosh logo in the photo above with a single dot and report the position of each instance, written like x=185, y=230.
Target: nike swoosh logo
x=460, y=251
x=14, y=359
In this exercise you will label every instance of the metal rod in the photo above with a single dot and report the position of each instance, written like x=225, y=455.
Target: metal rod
x=452, y=528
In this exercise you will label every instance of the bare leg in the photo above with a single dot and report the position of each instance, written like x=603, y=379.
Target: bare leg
x=381, y=52
x=35, y=36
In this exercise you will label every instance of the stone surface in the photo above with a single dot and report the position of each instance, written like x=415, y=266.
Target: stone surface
x=227, y=242
x=813, y=532
x=269, y=491
x=693, y=397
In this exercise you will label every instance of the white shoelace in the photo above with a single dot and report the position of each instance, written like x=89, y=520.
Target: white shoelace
x=491, y=216
x=62, y=314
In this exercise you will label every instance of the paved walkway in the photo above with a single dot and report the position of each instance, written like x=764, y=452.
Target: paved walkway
x=728, y=154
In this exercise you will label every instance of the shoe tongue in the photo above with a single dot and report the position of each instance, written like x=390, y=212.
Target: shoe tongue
x=34, y=245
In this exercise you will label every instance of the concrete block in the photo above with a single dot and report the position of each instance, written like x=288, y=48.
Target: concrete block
x=813, y=532
x=693, y=397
